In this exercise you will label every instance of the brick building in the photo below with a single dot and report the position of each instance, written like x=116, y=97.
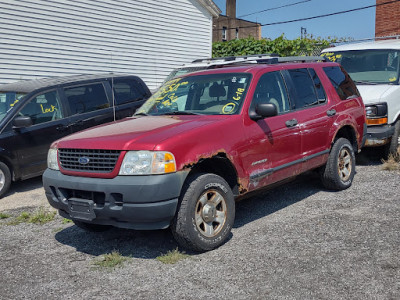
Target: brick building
x=226, y=28
x=387, y=19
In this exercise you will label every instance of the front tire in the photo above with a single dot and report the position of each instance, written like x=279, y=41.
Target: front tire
x=5, y=179
x=393, y=146
x=206, y=213
x=339, y=171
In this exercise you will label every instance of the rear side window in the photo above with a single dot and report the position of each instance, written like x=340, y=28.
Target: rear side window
x=305, y=88
x=342, y=82
x=128, y=90
x=86, y=98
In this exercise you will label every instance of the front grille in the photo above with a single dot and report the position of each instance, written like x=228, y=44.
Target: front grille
x=84, y=160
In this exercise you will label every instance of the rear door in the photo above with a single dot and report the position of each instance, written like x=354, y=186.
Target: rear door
x=314, y=115
x=88, y=105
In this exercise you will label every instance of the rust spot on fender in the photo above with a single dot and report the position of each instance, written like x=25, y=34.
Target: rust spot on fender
x=189, y=165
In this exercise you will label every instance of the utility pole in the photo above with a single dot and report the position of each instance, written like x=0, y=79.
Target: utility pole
x=303, y=32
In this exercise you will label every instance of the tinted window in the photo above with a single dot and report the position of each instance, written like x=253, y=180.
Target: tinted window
x=271, y=89
x=86, y=98
x=341, y=81
x=304, y=88
x=127, y=90
x=43, y=108
x=318, y=86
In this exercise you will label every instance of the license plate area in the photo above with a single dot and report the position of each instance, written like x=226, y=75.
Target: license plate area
x=81, y=209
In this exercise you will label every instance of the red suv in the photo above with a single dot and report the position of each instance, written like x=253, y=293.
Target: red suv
x=204, y=140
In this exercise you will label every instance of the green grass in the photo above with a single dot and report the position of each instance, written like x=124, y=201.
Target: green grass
x=40, y=216
x=4, y=216
x=172, y=257
x=66, y=221
x=110, y=261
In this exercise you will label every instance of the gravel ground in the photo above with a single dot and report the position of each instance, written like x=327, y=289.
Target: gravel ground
x=297, y=241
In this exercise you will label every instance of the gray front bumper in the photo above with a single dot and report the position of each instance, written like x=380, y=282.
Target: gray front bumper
x=379, y=135
x=136, y=202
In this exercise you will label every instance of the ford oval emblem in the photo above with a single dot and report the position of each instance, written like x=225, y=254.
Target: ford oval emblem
x=83, y=160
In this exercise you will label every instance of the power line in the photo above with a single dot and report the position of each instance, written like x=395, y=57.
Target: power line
x=315, y=17
x=274, y=8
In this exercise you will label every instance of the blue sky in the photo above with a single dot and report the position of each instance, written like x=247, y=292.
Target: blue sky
x=357, y=25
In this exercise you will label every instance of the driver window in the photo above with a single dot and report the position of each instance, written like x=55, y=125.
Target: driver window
x=43, y=108
x=271, y=89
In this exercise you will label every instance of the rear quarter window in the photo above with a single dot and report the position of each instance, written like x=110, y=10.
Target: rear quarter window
x=127, y=90
x=341, y=81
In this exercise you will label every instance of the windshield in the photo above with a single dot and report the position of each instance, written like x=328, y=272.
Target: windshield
x=369, y=66
x=7, y=102
x=215, y=94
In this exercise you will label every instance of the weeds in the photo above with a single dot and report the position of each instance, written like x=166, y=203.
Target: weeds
x=66, y=221
x=4, y=216
x=110, y=261
x=393, y=162
x=41, y=216
x=172, y=257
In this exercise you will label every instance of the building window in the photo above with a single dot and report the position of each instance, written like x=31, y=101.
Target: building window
x=237, y=33
x=224, y=33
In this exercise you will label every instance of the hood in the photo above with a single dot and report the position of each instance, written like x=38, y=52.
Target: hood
x=376, y=93
x=143, y=133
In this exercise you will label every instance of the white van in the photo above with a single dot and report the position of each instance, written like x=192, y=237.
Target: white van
x=374, y=67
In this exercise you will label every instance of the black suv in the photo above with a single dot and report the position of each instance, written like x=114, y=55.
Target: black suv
x=35, y=113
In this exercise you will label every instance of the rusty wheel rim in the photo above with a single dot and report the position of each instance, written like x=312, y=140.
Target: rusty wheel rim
x=210, y=213
x=344, y=164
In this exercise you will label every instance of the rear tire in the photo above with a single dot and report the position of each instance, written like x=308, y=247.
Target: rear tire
x=5, y=179
x=91, y=227
x=206, y=213
x=339, y=171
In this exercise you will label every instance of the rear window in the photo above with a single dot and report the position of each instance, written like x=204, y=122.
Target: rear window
x=341, y=81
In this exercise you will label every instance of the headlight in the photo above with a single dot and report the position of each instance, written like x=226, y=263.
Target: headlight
x=376, y=114
x=147, y=162
x=52, y=159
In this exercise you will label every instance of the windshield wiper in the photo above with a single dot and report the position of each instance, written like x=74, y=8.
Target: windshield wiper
x=180, y=113
x=365, y=82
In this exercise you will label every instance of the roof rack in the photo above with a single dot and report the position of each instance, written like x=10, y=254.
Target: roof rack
x=236, y=58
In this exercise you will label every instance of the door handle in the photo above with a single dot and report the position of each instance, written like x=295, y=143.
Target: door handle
x=291, y=123
x=331, y=112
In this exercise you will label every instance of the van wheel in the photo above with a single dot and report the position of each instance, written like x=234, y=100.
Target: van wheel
x=91, y=227
x=394, y=143
x=338, y=173
x=206, y=213
x=5, y=179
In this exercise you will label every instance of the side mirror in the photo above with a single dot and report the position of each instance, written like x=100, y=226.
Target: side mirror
x=22, y=121
x=264, y=110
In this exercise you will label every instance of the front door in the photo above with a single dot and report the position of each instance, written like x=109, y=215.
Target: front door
x=275, y=142
x=31, y=144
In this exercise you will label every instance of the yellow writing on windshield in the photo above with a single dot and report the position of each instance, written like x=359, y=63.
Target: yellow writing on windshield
x=239, y=94
x=332, y=56
x=15, y=102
